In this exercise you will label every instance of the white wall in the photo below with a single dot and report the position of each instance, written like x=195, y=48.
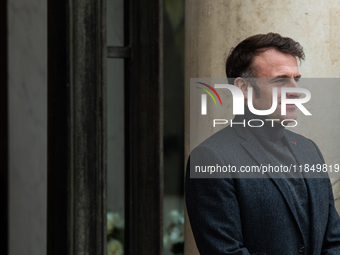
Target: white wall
x=27, y=58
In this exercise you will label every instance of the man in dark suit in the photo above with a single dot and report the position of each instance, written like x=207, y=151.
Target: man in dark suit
x=273, y=215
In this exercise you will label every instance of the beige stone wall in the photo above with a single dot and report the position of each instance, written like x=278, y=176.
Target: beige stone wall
x=213, y=27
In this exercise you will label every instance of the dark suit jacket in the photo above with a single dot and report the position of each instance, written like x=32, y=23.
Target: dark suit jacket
x=257, y=216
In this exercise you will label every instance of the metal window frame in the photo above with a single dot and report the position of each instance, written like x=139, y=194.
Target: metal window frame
x=87, y=127
x=77, y=126
x=144, y=130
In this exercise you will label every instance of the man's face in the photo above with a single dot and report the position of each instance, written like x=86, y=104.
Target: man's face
x=275, y=69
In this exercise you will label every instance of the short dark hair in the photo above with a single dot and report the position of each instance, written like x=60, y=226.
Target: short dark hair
x=240, y=59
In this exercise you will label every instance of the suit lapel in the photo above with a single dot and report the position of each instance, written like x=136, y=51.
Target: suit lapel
x=305, y=155
x=256, y=150
x=315, y=214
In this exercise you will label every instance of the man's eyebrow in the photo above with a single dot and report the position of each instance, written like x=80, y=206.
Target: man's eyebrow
x=286, y=76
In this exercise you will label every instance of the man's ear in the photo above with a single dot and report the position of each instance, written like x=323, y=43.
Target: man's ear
x=243, y=85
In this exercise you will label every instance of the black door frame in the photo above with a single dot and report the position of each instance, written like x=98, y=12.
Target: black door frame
x=77, y=126
x=144, y=126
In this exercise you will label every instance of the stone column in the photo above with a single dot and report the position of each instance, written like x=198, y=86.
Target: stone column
x=27, y=120
x=213, y=27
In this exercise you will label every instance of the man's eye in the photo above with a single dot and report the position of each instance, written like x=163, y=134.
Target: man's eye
x=297, y=79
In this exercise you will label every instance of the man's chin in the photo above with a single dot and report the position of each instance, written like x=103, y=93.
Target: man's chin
x=289, y=118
